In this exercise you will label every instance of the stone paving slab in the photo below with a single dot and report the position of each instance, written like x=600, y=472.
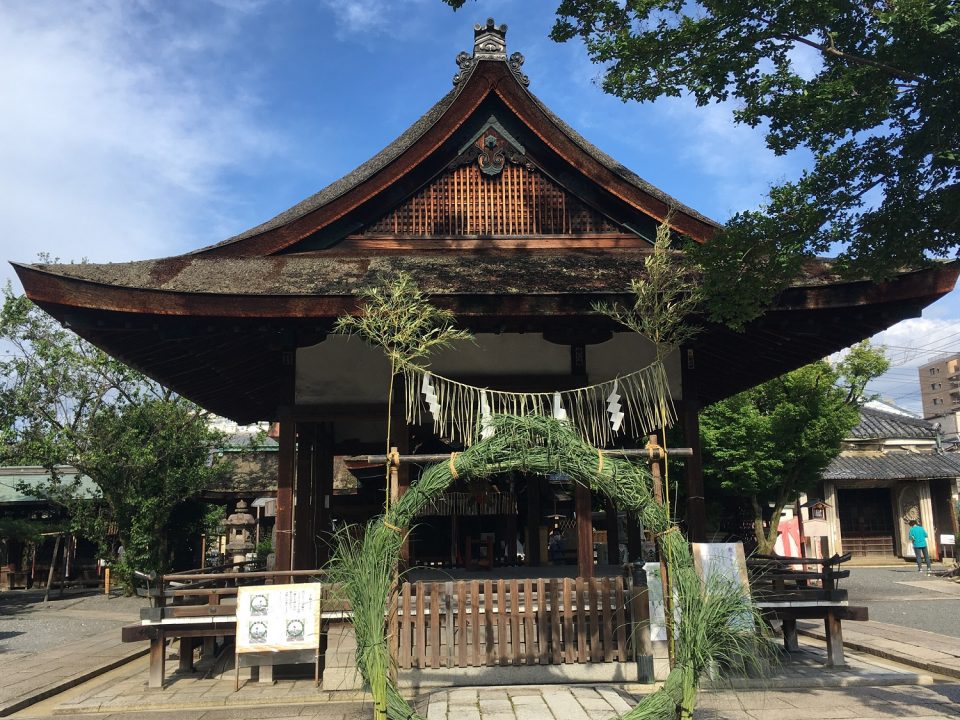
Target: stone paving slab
x=30, y=677
x=903, y=701
x=925, y=650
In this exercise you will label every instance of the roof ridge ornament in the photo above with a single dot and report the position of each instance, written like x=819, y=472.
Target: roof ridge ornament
x=489, y=43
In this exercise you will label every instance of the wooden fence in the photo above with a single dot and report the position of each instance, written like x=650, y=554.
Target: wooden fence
x=472, y=623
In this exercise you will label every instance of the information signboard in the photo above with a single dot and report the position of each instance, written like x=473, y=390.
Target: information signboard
x=278, y=624
x=275, y=618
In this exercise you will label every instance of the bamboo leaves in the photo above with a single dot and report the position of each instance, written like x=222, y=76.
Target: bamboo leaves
x=399, y=319
x=664, y=299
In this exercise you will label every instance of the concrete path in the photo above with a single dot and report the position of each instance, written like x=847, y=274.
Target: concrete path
x=925, y=650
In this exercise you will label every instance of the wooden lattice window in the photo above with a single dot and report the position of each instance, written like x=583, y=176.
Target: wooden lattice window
x=517, y=201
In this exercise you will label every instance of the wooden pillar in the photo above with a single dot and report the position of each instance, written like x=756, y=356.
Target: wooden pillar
x=634, y=539
x=304, y=532
x=323, y=471
x=584, y=531
x=696, y=504
x=533, y=521
x=613, y=534
x=511, y=523
x=285, y=472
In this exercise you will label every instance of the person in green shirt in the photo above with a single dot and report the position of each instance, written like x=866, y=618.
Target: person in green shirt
x=918, y=536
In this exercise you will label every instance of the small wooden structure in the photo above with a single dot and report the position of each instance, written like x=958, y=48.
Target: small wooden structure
x=788, y=595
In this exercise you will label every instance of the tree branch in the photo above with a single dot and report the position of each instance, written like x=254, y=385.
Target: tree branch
x=831, y=50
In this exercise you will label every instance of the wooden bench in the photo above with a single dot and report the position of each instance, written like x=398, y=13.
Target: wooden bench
x=784, y=593
x=193, y=606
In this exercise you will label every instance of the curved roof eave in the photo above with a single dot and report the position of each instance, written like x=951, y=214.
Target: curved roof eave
x=426, y=122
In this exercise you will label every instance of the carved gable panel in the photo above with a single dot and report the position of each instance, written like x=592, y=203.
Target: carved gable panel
x=470, y=201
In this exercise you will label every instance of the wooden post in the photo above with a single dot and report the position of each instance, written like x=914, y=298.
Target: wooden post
x=158, y=658
x=613, y=534
x=831, y=625
x=66, y=565
x=696, y=505
x=533, y=522
x=284, y=521
x=304, y=533
x=53, y=565
x=640, y=621
x=584, y=531
x=789, y=627
x=323, y=473
x=186, y=655
x=106, y=580
x=634, y=539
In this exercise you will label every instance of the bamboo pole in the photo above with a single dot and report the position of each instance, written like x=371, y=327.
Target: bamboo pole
x=654, y=449
x=653, y=454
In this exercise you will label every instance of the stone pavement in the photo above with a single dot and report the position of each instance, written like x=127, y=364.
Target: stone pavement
x=934, y=702
x=125, y=691
x=925, y=650
x=29, y=676
x=871, y=686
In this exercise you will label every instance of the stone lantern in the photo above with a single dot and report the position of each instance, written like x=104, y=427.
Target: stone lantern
x=240, y=526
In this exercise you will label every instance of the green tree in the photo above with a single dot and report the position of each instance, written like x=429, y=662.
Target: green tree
x=877, y=112
x=64, y=402
x=772, y=442
x=147, y=458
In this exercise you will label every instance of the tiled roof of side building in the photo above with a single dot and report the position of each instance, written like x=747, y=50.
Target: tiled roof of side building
x=876, y=424
x=893, y=466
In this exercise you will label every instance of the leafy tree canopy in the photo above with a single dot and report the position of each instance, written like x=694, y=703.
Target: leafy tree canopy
x=878, y=113
x=65, y=402
x=771, y=442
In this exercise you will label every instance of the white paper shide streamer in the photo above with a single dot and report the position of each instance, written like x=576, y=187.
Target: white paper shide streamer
x=635, y=404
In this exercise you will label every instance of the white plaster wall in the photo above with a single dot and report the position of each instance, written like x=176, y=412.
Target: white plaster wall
x=346, y=370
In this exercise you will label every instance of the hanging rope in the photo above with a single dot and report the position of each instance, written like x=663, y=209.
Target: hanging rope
x=458, y=410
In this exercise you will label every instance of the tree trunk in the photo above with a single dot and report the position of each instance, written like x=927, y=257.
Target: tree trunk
x=760, y=534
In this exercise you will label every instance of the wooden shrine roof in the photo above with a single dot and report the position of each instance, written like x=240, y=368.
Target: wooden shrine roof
x=497, y=208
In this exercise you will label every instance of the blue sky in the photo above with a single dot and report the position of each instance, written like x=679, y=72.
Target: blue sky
x=144, y=129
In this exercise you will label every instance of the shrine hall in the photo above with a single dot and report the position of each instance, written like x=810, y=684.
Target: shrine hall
x=504, y=215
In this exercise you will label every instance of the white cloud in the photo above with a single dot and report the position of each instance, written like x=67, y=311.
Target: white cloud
x=357, y=16
x=114, y=146
x=910, y=344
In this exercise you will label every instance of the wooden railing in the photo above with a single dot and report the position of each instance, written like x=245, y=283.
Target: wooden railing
x=471, y=623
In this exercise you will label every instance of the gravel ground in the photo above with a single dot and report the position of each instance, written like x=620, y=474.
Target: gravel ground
x=890, y=601
x=27, y=626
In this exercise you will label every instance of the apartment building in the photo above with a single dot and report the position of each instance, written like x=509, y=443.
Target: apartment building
x=940, y=386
